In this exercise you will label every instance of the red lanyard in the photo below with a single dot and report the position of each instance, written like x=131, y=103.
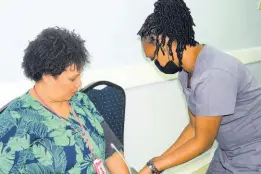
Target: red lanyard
x=84, y=132
x=86, y=137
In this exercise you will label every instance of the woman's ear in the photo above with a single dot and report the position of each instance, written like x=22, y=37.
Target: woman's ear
x=48, y=79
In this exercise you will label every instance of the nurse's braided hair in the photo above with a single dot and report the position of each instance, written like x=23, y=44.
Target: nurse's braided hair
x=172, y=19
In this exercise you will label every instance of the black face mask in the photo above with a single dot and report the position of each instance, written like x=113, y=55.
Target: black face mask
x=169, y=68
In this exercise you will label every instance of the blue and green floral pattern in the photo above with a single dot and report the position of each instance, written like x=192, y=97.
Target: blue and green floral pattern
x=34, y=140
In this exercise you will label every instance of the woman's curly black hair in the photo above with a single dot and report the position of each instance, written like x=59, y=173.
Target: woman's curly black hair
x=53, y=50
x=172, y=19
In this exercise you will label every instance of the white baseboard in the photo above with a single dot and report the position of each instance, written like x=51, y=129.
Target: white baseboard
x=147, y=73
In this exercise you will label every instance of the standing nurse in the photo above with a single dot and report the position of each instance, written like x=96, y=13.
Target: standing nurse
x=223, y=97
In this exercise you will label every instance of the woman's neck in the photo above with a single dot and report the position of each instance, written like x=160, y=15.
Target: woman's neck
x=44, y=95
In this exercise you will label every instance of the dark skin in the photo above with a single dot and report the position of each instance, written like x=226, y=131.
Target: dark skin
x=200, y=133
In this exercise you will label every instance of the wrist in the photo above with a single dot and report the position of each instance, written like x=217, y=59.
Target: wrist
x=150, y=164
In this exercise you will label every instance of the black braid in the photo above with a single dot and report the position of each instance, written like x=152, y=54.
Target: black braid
x=172, y=19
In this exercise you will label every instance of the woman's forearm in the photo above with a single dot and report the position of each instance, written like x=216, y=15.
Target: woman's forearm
x=116, y=165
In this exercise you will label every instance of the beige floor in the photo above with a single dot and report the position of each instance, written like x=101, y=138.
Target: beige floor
x=202, y=170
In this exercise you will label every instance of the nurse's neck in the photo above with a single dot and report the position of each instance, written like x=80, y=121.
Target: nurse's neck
x=190, y=56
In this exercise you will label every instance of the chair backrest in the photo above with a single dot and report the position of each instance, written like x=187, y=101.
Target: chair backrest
x=110, y=100
x=4, y=107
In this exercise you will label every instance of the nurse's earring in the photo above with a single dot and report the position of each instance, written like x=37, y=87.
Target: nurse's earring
x=166, y=49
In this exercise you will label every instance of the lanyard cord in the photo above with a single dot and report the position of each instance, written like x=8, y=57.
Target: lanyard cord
x=86, y=138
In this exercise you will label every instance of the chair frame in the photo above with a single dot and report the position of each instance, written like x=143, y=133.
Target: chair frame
x=108, y=83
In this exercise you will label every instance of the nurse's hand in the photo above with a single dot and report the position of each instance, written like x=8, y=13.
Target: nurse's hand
x=156, y=158
x=145, y=170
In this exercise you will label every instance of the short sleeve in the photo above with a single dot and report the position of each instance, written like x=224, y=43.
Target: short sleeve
x=85, y=101
x=216, y=93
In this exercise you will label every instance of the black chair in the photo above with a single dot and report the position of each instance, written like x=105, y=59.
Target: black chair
x=4, y=107
x=110, y=100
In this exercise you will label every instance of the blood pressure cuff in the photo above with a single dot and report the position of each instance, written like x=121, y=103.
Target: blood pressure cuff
x=110, y=138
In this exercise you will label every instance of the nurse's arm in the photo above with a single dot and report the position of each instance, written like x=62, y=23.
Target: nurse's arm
x=206, y=129
x=187, y=134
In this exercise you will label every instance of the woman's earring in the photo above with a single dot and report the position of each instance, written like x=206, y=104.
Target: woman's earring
x=78, y=86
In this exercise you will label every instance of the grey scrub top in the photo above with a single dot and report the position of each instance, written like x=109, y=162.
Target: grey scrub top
x=222, y=86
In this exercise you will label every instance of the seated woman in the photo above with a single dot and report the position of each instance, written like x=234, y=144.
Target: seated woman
x=52, y=128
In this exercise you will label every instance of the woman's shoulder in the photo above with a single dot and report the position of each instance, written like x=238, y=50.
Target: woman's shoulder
x=25, y=107
x=82, y=101
x=14, y=110
x=18, y=103
x=81, y=98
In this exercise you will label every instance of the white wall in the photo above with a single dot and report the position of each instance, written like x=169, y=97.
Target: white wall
x=227, y=24
x=110, y=27
x=107, y=27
